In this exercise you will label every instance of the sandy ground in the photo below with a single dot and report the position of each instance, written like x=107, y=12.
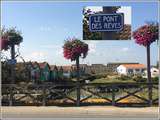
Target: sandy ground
x=79, y=112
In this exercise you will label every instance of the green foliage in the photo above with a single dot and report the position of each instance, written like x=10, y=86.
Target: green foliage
x=87, y=35
x=124, y=77
x=139, y=78
x=155, y=79
x=6, y=72
x=21, y=73
x=98, y=76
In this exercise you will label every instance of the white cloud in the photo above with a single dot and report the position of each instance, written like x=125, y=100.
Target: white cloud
x=65, y=29
x=36, y=56
x=127, y=13
x=125, y=49
x=94, y=8
x=92, y=46
x=52, y=46
x=56, y=49
x=51, y=28
x=45, y=28
x=59, y=52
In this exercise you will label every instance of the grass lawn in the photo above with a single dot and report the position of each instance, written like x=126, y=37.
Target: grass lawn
x=113, y=80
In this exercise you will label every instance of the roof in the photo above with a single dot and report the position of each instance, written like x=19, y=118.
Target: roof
x=119, y=63
x=66, y=68
x=134, y=65
x=42, y=65
x=97, y=64
x=81, y=65
x=34, y=64
x=52, y=67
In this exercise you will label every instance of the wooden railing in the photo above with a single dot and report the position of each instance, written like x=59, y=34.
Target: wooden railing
x=91, y=93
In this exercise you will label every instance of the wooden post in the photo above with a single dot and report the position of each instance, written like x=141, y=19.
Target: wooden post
x=108, y=35
x=78, y=82
x=149, y=76
x=44, y=95
x=12, y=74
x=113, y=95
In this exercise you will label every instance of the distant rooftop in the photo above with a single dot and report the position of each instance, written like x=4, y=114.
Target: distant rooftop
x=134, y=65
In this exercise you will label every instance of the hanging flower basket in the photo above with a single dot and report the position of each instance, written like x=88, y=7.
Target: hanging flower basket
x=10, y=37
x=4, y=43
x=146, y=34
x=74, y=48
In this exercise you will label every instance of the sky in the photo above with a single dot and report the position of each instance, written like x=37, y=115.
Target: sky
x=46, y=25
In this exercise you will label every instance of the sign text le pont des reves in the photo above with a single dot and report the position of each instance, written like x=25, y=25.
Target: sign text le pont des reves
x=106, y=22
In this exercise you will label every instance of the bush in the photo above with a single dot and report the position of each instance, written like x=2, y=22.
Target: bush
x=123, y=77
x=139, y=78
x=155, y=79
x=98, y=76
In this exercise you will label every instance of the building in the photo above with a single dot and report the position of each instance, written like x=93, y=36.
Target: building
x=98, y=68
x=34, y=71
x=131, y=69
x=91, y=69
x=67, y=71
x=45, y=71
x=53, y=73
x=154, y=72
x=112, y=67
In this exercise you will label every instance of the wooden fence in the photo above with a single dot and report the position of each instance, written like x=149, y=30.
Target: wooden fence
x=89, y=94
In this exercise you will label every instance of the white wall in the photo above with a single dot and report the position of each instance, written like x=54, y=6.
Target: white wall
x=154, y=73
x=122, y=70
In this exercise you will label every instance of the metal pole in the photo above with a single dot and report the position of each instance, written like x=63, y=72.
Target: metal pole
x=12, y=74
x=108, y=35
x=149, y=76
x=78, y=82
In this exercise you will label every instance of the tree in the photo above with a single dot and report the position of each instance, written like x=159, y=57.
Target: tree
x=145, y=36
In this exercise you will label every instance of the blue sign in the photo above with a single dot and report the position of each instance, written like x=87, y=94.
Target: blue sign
x=12, y=61
x=106, y=22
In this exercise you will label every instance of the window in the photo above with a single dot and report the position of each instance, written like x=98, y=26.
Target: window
x=143, y=70
x=130, y=70
x=137, y=70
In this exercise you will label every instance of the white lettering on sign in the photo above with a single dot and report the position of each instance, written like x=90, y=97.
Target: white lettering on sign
x=106, y=22
x=97, y=19
x=112, y=25
x=96, y=26
x=109, y=18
